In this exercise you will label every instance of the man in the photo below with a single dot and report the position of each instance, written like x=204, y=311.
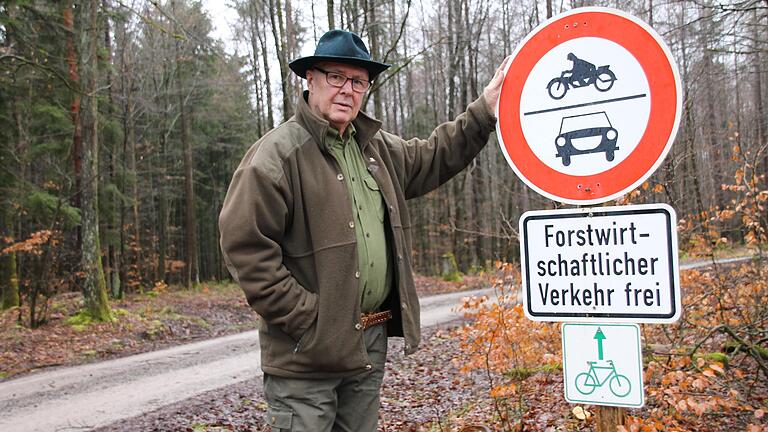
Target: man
x=316, y=231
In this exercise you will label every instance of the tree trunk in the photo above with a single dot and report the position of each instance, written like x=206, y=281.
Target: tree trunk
x=191, y=273
x=94, y=285
x=761, y=124
x=259, y=45
x=374, y=31
x=129, y=150
x=77, y=140
x=278, y=33
x=162, y=229
x=114, y=221
x=329, y=7
x=9, y=279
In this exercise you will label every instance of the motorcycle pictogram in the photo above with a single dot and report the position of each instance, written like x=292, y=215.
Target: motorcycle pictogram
x=582, y=74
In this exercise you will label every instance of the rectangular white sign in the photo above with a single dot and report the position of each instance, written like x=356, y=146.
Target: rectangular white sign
x=603, y=364
x=603, y=263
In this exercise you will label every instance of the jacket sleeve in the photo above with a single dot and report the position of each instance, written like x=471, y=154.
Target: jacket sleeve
x=426, y=164
x=252, y=224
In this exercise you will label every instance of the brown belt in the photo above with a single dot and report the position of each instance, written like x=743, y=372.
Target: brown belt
x=371, y=319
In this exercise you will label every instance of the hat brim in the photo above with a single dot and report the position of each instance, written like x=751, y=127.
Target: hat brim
x=301, y=65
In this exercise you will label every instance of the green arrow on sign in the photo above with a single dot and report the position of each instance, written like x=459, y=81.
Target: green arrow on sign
x=599, y=336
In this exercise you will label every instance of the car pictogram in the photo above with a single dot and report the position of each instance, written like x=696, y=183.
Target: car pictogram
x=584, y=134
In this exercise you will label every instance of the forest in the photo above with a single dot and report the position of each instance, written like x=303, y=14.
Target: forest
x=121, y=122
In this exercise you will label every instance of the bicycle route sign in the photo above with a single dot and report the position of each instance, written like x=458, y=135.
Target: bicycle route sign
x=607, y=264
x=590, y=106
x=603, y=364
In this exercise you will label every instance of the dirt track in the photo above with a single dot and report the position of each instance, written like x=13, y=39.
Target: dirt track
x=89, y=396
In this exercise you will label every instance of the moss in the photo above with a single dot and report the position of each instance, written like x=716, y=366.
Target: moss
x=520, y=373
x=168, y=311
x=80, y=321
x=451, y=271
x=523, y=373
x=122, y=312
x=763, y=352
x=713, y=357
x=156, y=328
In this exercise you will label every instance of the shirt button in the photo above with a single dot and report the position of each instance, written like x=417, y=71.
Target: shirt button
x=407, y=346
x=357, y=275
x=358, y=326
x=404, y=305
x=351, y=224
x=399, y=257
x=369, y=367
x=340, y=176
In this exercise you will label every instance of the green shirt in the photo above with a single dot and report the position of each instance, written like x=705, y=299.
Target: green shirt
x=368, y=213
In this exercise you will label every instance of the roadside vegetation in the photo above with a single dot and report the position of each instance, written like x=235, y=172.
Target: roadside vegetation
x=706, y=372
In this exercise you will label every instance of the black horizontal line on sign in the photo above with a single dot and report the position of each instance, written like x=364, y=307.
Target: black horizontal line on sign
x=587, y=104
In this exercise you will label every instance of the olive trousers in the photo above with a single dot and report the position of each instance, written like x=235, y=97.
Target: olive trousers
x=348, y=404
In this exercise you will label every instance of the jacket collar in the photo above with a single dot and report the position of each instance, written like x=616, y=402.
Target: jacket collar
x=365, y=126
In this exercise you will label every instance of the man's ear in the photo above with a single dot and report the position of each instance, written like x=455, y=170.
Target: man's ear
x=310, y=79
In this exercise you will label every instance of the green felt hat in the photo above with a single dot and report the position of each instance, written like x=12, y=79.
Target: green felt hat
x=339, y=46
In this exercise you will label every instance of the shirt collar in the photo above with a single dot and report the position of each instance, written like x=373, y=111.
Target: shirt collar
x=333, y=139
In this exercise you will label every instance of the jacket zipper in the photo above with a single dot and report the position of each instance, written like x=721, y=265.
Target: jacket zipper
x=298, y=344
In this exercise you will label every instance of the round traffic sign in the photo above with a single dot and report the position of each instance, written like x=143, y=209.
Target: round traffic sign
x=589, y=106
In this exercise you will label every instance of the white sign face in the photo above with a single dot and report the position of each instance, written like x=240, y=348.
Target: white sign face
x=600, y=123
x=603, y=364
x=590, y=105
x=616, y=264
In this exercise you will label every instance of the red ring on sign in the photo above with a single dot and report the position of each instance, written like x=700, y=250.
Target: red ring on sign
x=661, y=121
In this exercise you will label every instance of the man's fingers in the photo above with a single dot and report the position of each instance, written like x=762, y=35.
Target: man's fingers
x=502, y=66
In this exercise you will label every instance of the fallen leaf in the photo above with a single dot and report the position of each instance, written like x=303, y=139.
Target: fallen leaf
x=581, y=413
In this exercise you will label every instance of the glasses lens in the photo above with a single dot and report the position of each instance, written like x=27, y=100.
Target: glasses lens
x=335, y=79
x=360, y=85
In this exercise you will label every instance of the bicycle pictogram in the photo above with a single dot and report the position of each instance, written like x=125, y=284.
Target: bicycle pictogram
x=587, y=382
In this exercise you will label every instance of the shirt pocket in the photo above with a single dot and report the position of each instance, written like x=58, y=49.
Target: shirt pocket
x=374, y=196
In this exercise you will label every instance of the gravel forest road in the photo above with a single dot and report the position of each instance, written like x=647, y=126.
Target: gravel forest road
x=88, y=396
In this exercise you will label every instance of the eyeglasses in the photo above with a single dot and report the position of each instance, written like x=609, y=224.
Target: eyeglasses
x=339, y=80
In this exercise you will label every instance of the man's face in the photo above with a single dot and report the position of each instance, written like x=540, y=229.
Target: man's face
x=338, y=105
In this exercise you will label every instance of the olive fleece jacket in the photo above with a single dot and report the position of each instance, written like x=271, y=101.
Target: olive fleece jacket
x=288, y=236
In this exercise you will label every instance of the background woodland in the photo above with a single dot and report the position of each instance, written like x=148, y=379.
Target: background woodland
x=121, y=122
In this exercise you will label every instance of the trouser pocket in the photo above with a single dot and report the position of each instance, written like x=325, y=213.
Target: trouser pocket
x=279, y=420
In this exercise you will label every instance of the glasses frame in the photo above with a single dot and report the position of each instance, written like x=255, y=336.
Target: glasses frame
x=346, y=78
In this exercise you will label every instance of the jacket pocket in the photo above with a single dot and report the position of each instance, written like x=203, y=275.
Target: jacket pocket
x=305, y=337
x=279, y=420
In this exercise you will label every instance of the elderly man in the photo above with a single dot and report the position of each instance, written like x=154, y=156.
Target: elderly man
x=316, y=231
